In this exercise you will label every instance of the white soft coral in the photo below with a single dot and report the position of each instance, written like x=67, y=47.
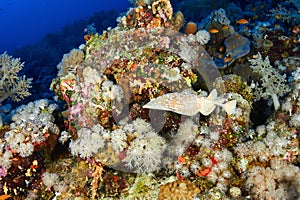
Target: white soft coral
x=272, y=83
x=145, y=152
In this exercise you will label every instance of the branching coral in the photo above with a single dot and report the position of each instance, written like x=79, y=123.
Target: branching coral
x=272, y=83
x=12, y=85
x=284, y=14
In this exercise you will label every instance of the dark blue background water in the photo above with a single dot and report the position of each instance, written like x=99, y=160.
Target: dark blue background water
x=24, y=22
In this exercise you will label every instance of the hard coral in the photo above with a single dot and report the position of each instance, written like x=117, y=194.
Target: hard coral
x=158, y=14
x=70, y=62
x=178, y=190
x=12, y=86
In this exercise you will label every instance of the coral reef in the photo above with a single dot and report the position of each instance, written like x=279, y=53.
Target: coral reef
x=148, y=112
x=272, y=83
x=69, y=62
x=12, y=86
x=226, y=45
x=178, y=190
x=28, y=142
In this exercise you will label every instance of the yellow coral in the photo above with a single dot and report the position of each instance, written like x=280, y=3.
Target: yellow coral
x=178, y=190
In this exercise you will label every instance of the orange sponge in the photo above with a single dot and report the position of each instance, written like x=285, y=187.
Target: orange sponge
x=191, y=28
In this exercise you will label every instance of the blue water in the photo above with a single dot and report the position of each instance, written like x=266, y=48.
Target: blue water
x=25, y=22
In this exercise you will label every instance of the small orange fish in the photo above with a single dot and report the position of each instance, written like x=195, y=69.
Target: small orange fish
x=242, y=21
x=213, y=30
x=226, y=27
x=227, y=59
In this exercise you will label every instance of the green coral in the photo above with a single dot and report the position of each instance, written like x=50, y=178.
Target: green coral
x=140, y=186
